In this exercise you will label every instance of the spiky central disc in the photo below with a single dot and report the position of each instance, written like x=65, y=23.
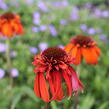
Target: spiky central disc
x=55, y=53
x=82, y=40
x=8, y=16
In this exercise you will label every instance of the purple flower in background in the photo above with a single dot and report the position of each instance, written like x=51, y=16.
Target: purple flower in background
x=3, y=47
x=29, y=2
x=74, y=13
x=104, y=38
x=88, y=5
x=63, y=22
x=13, y=53
x=53, y=30
x=33, y=50
x=83, y=27
x=2, y=73
x=3, y=5
x=43, y=46
x=62, y=4
x=35, y=29
x=97, y=12
x=65, y=3
x=36, y=18
x=43, y=28
x=42, y=6
x=105, y=14
x=14, y=72
x=56, y=4
x=91, y=31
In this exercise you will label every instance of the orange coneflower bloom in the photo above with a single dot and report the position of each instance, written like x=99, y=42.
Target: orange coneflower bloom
x=10, y=24
x=83, y=46
x=53, y=67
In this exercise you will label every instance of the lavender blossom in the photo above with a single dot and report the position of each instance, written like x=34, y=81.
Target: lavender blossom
x=62, y=4
x=88, y=5
x=13, y=53
x=3, y=47
x=43, y=46
x=105, y=14
x=36, y=18
x=74, y=13
x=14, y=72
x=35, y=29
x=43, y=28
x=65, y=3
x=91, y=31
x=3, y=5
x=2, y=73
x=33, y=50
x=53, y=30
x=63, y=22
x=104, y=38
x=42, y=6
x=29, y=2
x=97, y=12
x=83, y=27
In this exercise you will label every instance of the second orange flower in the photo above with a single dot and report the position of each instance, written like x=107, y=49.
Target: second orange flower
x=83, y=47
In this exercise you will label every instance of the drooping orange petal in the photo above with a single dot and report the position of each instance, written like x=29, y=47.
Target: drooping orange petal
x=6, y=30
x=60, y=94
x=78, y=57
x=98, y=51
x=76, y=83
x=68, y=47
x=74, y=51
x=59, y=90
x=43, y=88
x=68, y=83
x=90, y=55
x=37, y=86
x=20, y=29
x=51, y=83
x=17, y=27
x=57, y=86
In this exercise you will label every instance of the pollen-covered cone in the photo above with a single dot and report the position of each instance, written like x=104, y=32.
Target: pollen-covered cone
x=83, y=47
x=10, y=25
x=52, y=69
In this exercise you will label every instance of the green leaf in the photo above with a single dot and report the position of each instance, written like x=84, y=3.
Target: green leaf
x=87, y=102
x=16, y=100
x=104, y=105
x=19, y=92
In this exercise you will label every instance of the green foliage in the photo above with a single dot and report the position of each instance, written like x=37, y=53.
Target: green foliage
x=94, y=78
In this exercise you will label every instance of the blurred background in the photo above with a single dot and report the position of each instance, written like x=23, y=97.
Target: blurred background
x=48, y=24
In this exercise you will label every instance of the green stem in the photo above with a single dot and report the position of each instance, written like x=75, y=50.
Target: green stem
x=8, y=59
x=46, y=106
x=9, y=67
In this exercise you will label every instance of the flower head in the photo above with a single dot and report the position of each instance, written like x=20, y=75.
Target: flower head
x=10, y=24
x=2, y=73
x=83, y=46
x=3, y=47
x=53, y=66
x=14, y=72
